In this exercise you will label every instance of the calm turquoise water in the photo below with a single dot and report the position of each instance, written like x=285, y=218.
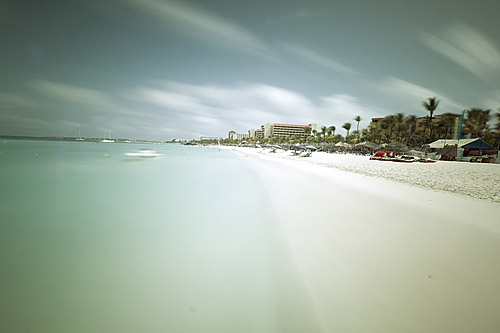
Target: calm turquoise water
x=91, y=241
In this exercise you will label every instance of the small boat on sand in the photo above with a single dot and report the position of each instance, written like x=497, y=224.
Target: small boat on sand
x=389, y=156
x=144, y=153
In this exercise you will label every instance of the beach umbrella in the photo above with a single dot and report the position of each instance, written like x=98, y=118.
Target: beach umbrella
x=396, y=147
x=366, y=146
x=276, y=146
x=311, y=148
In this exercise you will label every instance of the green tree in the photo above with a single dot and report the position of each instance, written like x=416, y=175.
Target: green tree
x=430, y=105
x=324, y=131
x=445, y=125
x=331, y=130
x=387, y=128
x=399, y=118
x=411, y=125
x=497, y=115
x=357, y=119
x=476, y=123
x=338, y=138
x=347, y=127
x=497, y=128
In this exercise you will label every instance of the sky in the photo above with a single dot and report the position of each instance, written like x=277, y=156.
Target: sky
x=161, y=69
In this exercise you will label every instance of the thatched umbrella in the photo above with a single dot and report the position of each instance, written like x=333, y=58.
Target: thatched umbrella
x=343, y=146
x=366, y=147
x=396, y=147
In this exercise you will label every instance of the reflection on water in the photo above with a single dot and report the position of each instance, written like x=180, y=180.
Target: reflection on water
x=90, y=242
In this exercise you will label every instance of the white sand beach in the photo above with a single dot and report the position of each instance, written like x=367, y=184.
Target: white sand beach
x=377, y=255
x=476, y=180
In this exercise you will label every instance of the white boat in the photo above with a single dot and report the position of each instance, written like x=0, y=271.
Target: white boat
x=144, y=153
x=108, y=140
x=79, y=137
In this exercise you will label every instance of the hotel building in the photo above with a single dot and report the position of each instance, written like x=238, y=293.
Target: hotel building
x=237, y=136
x=273, y=130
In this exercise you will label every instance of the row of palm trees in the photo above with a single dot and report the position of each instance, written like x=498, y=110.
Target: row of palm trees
x=409, y=130
x=415, y=131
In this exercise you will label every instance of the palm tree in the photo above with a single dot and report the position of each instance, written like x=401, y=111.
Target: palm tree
x=399, y=118
x=445, y=124
x=357, y=119
x=323, y=131
x=373, y=132
x=431, y=105
x=365, y=134
x=476, y=122
x=347, y=127
x=387, y=126
x=411, y=122
x=331, y=130
x=497, y=127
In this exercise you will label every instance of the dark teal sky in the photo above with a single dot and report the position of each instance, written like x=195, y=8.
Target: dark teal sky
x=158, y=69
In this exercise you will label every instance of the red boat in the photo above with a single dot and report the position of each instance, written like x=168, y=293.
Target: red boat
x=389, y=156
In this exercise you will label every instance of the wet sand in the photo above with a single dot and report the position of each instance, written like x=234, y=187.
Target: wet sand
x=381, y=256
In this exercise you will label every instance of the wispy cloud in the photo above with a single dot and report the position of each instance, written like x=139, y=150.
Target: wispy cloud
x=341, y=108
x=75, y=95
x=213, y=110
x=72, y=107
x=491, y=100
x=298, y=15
x=18, y=115
x=467, y=47
x=204, y=25
x=10, y=100
x=319, y=59
x=412, y=95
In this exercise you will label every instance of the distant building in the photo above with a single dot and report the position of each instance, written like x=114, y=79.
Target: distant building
x=256, y=133
x=209, y=138
x=275, y=130
x=237, y=136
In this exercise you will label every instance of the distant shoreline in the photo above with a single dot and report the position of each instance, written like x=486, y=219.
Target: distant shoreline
x=64, y=138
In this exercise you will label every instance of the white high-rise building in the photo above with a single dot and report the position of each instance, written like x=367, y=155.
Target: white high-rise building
x=287, y=129
x=237, y=136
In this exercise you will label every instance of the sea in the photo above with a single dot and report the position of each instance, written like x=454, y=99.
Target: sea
x=94, y=241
